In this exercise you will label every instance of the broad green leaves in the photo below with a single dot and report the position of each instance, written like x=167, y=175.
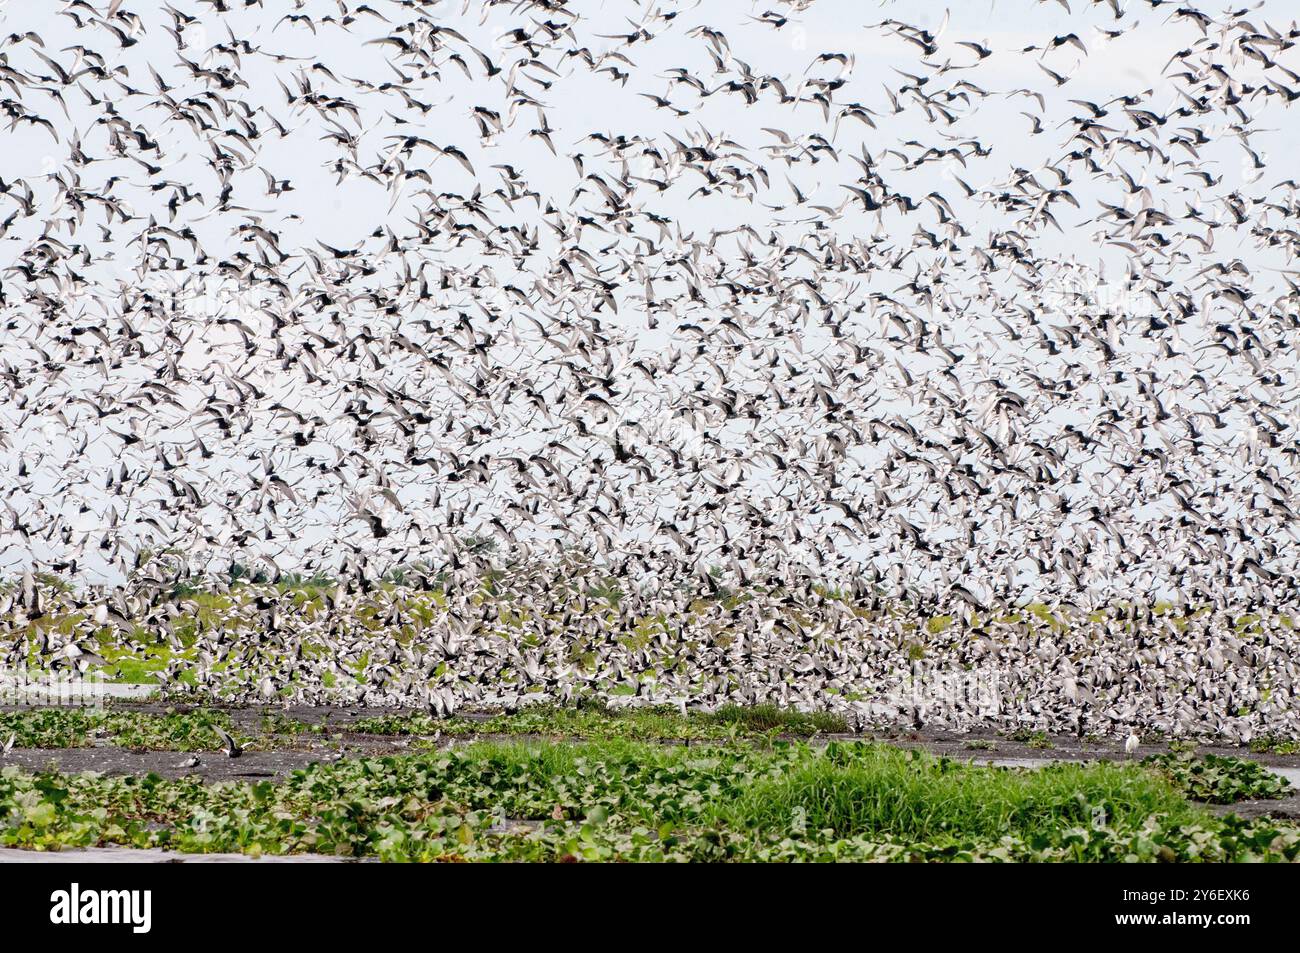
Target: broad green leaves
x=621, y=800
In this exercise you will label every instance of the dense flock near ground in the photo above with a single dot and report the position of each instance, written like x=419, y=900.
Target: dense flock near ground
x=573, y=635
x=967, y=311
x=629, y=375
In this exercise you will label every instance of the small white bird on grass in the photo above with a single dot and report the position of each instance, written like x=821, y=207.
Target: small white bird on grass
x=1131, y=743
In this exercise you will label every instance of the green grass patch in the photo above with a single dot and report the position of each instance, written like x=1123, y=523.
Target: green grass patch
x=875, y=790
x=766, y=718
x=1032, y=739
x=597, y=723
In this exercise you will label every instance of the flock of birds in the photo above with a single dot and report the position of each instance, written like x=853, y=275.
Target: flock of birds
x=682, y=358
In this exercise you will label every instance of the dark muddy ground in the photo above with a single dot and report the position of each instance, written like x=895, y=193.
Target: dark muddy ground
x=983, y=745
x=335, y=740
x=212, y=766
x=1282, y=808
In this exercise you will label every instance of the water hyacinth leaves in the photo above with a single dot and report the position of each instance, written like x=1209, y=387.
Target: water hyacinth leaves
x=621, y=800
